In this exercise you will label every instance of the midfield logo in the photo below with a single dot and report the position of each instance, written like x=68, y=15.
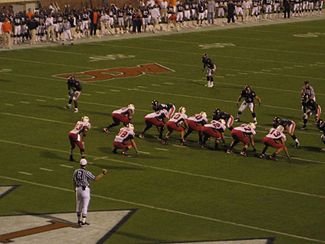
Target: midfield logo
x=4, y=190
x=61, y=228
x=120, y=72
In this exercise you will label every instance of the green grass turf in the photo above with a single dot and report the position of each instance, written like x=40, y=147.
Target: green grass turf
x=181, y=194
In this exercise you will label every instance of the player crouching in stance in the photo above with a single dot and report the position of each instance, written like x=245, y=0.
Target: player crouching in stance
x=195, y=123
x=275, y=139
x=125, y=140
x=77, y=134
x=81, y=179
x=156, y=119
x=123, y=115
x=249, y=97
x=309, y=108
x=178, y=123
x=214, y=129
x=321, y=126
x=244, y=134
x=169, y=107
x=228, y=118
x=74, y=92
x=289, y=126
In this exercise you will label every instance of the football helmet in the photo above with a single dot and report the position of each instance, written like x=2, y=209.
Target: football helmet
x=85, y=119
x=203, y=114
x=182, y=110
x=130, y=126
x=131, y=106
x=252, y=126
x=280, y=128
x=222, y=121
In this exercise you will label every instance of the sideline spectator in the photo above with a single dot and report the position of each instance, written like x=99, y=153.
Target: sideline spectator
x=7, y=31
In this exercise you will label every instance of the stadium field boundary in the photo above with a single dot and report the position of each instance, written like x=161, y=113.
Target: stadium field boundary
x=172, y=170
x=169, y=210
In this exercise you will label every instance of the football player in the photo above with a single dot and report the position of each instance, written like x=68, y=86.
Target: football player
x=125, y=140
x=123, y=115
x=244, y=134
x=309, y=108
x=196, y=123
x=214, y=129
x=321, y=126
x=218, y=115
x=249, y=97
x=289, y=126
x=77, y=134
x=178, y=123
x=307, y=90
x=156, y=106
x=210, y=70
x=74, y=92
x=275, y=139
x=157, y=119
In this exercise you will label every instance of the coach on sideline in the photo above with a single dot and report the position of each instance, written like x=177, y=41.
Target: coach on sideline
x=81, y=178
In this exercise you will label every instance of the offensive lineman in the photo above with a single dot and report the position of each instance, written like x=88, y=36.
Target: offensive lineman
x=249, y=97
x=81, y=179
x=125, y=140
x=77, y=134
x=124, y=115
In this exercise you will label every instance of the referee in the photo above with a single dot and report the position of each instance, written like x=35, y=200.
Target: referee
x=81, y=179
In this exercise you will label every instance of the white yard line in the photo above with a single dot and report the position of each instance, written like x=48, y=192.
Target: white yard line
x=175, y=171
x=66, y=166
x=9, y=104
x=211, y=219
x=161, y=149
x=100, y=92
x=46, y=169
x=36, y=118
x=24, y=102
x=40, y=100
x=143, y=152
x=25, y=173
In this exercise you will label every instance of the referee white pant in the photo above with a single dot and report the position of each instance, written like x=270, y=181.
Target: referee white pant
x=82, y=200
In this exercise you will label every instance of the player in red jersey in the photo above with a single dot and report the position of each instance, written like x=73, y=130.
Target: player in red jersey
x=244, y=134
x=195, y=123
x=123, y=115
x=125, y=140
x=177, y=123
x=275, y=139
x=155, y=119
x=77, y=134
x=214, y=129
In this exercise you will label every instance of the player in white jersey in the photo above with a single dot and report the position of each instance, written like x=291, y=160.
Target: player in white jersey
x=178, y=123
x=156, y=119
x=81, y=179
x=214, y=129
x=124, y=115
x=244, y=134
x=276, y=139
x=125, y=140
x=196, y=123
x=77, y=134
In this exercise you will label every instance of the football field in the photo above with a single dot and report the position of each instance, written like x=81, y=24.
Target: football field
x=174, y=193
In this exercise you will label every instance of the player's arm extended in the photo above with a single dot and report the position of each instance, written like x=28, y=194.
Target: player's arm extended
x=101, y=175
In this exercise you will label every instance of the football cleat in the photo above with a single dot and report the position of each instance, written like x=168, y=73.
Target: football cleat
x=243, y=153
x=141, y=135
x=76, y=110
x=237, y=120
x=106, y=130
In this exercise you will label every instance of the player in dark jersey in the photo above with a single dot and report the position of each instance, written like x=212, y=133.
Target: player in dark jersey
x=321, y=126
x=74, y=92
x=249, y=97
x=157, y=106
x=289, y=126
x=228, y=118
x=309, y=108
x=210, y=69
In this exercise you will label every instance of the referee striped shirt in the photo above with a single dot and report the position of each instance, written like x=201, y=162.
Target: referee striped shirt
x=82, y=177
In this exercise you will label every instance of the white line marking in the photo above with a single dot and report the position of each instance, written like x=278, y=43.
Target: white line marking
x=59, y=99
x=86, y=94
x=114, y=90
x=144, y=87
x=142, y=152
x=168, y=83
x=230, y=75
x=155, y=85
x=40, y=100
x=36, y=118
x=24, y=102
x=46, y=169
x=66, y=166
x=100, y=158
x=99, y=92
x=175, y=171
x=180, y=146
x=24, y=173
x=171, y=211
x=161, y=149
x=298, y=66
x=9, y=104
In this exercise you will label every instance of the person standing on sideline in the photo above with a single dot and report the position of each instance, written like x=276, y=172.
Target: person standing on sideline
x=211, y=11
x=286, y=8
x=81, y=180
x=94, y=19
x=7, y=30
x=231, y=12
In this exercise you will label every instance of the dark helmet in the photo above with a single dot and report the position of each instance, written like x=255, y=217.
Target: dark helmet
x=216, y=111
x=155, y=105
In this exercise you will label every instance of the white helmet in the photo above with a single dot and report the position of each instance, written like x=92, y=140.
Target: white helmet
x=203, y=114
x=252, y=126
x=83, y=162
x=130, y=126
x=280, y=128
x=131, y=106
x=85, y=119
x=222, y=121
x=182, y=110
